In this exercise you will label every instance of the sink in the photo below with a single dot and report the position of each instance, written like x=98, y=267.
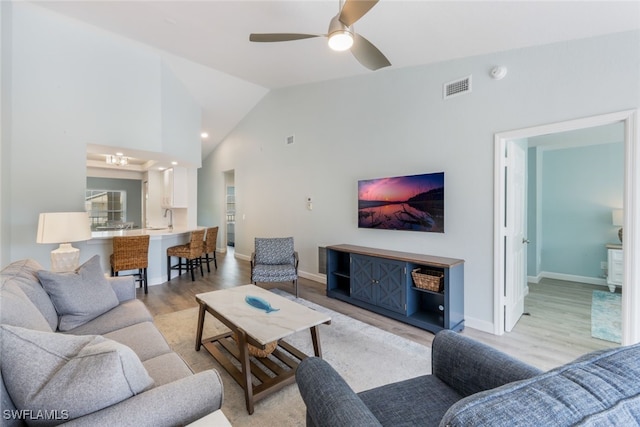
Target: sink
x=156, y=228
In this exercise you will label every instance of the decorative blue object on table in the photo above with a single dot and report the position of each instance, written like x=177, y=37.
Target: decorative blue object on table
x=260, y=303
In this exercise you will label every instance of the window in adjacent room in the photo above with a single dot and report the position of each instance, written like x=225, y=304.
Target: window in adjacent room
x=107, y=209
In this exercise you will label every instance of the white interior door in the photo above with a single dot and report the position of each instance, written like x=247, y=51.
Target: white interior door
x=516, y=233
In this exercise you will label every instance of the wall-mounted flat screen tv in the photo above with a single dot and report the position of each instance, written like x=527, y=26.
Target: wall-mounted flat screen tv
x=414, y=202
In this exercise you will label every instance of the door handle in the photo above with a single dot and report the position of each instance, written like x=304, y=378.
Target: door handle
x=525, y=240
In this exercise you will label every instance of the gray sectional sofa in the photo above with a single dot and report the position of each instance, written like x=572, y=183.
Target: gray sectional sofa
x=79, y=349
x=473, y=384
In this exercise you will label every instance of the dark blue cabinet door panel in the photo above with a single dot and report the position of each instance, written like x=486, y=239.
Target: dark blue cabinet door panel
x=392, y=288
x=362, y=282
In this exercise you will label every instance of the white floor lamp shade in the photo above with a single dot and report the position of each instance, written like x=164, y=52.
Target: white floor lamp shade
x=64, y=228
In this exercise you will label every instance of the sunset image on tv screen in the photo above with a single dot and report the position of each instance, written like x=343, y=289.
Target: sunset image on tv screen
x=414, y=202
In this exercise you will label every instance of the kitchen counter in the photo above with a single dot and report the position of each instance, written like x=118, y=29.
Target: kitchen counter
x=155, y=233
x=160, y=239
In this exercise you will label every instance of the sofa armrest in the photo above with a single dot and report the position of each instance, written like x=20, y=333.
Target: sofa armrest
x=177, y=403
x=124, y=286
x=330, y=401
x=469, y=366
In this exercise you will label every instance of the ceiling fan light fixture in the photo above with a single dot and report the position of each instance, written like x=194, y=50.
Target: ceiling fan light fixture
x=341, y=40
x=340, y=36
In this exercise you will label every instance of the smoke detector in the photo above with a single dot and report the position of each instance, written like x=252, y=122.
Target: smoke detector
x=498, y=73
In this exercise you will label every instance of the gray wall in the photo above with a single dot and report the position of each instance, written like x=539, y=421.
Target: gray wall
x=395, y=122
x=133, y=188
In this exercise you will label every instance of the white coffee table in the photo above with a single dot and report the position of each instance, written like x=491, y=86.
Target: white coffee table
x=259, y=328
x=214, y=419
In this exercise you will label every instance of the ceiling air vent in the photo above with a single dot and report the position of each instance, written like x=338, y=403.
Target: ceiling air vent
x=457, y=87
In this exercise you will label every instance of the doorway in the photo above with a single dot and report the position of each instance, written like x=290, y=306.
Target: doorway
x=506, y=292
x=230, y=209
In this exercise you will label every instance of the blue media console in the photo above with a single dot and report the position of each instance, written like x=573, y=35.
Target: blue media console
x=382, y=281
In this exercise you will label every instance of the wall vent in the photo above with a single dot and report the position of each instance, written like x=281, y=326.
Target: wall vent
x=322, y=260
x=457, y=87
x=290, y=139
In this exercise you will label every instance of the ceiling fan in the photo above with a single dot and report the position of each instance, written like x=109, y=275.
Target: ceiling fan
x=341, y=35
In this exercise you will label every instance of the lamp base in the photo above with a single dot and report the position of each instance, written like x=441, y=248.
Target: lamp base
x=65, y=258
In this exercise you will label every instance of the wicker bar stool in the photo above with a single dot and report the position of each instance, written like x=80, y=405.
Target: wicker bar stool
x=131, y=253
x=210, y=247
x=191, y=252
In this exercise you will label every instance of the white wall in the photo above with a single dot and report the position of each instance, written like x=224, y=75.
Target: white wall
x=394, y=122
x=72, y=85
x=181, y=120
x=5, y=127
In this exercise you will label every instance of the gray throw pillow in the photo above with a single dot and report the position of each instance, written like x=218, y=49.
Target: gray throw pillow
x=79, y=296
x=67, y=375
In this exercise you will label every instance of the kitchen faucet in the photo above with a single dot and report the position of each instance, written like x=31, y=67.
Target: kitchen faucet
x=170, y=217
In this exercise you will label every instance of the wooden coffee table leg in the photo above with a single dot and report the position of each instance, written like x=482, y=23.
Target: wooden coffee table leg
x=243, y=347
x=200, y=327
x=315, y=337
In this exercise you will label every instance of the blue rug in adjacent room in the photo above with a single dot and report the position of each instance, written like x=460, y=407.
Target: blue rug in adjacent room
x=606, y=316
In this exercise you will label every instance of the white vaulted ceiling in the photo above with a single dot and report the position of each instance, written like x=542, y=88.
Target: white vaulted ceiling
x=206, y=43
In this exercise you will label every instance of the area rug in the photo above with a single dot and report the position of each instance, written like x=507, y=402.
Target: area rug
x=364, y=355
x=606, y=316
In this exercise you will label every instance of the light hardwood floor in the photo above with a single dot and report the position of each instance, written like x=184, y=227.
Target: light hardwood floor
x=556, y=331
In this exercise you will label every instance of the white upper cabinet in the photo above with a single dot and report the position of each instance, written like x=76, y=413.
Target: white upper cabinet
x=175, y=188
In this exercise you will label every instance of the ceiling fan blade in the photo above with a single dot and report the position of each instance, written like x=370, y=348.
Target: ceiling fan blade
x=354, y=10
x=280, y=37
x=367, y=54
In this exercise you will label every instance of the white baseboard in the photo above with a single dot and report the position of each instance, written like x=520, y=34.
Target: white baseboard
x=242, y=257
x=534, y=279
x=480, y=325
x=320, y=278
x=567, y=277
x=158, y=280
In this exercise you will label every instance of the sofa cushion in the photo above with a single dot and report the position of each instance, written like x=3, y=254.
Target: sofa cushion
x=79, y=296
x=16, y=309
x=144, y=339
x=275, y=272
x=46, y=371
x=126, y=314
x=599, y=389
x=167, y=368
x=417, y=401
x=24, y=274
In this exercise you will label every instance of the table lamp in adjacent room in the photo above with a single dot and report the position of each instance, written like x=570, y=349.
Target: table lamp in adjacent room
x=64, y=228
x=617, y=218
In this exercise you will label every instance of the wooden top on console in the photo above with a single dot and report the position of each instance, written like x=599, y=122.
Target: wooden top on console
x=435, y=261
